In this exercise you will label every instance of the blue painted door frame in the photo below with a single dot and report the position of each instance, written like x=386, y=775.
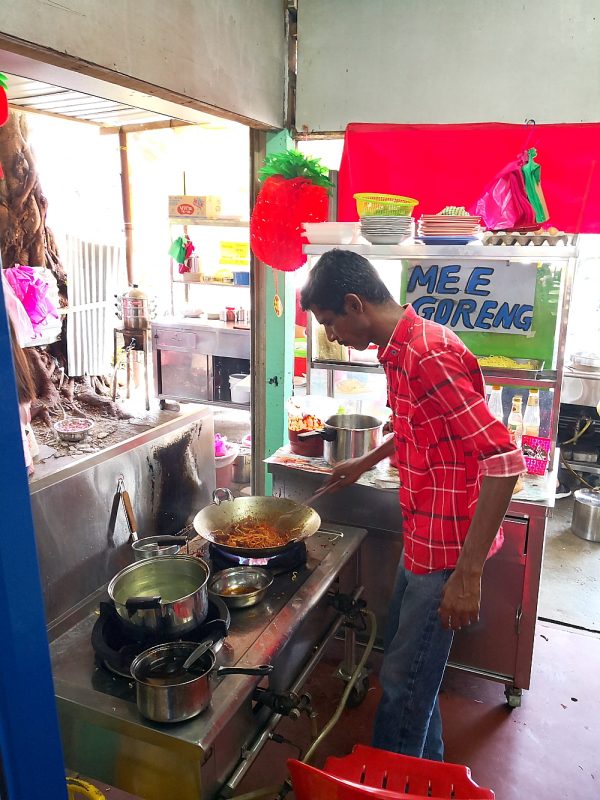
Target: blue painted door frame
x=30, y=746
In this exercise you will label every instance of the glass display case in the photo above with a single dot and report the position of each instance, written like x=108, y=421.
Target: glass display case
x=508, y=304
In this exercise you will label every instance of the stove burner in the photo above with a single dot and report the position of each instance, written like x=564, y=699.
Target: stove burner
x=291, y=558
x=115, y=648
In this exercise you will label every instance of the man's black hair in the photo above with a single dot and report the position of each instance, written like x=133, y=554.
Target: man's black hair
x=338, y=273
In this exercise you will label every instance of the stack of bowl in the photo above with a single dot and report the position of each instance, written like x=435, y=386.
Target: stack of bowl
x=387, y=230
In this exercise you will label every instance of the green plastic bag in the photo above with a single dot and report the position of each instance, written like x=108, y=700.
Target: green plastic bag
x=177, y=250
x=533, y=186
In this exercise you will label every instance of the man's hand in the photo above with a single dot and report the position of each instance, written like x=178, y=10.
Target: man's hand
x=345, y=474
x=461, y=598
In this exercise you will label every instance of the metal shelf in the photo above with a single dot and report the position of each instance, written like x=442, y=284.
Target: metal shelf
x=212, y=283
x=347, y=366
x=583, y=466
x=217, y=223
x=475, y=251
x=541, y=379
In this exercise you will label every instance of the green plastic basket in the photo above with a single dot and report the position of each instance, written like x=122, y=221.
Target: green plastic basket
x=384, y=205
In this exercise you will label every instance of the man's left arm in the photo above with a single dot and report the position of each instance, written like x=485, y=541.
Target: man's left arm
x=461, y=597
x=446, y=380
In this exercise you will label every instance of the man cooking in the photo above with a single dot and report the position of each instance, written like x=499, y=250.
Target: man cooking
x=458, y=467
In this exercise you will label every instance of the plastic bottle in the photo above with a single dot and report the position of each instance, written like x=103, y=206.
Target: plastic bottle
x=495, y=403
x=531, y=419
x=515, y=420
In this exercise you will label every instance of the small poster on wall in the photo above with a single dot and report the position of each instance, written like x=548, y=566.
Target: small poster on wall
x=483, y=296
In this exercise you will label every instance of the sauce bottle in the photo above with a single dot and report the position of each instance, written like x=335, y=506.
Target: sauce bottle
x=515, y=420
x=495, y=403
x=531, y=419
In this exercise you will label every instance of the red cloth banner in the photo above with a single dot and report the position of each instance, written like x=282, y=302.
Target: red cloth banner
x=442, y=165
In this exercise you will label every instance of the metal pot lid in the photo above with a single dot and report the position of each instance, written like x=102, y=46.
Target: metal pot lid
x=354, y=422
x=586, y=358
x=588, y=497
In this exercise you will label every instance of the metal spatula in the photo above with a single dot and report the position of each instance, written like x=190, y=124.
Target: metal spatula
x=286, y=520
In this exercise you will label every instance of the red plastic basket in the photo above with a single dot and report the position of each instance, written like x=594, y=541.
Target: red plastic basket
x=369, y=773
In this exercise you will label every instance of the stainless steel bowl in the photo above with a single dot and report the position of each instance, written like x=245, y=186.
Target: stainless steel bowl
x=240, y=587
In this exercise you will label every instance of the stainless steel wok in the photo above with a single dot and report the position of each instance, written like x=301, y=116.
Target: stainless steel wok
x=222, y=513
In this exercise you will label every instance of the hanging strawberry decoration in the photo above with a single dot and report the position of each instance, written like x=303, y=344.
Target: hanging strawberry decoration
x=294, y=190
x=4, y=111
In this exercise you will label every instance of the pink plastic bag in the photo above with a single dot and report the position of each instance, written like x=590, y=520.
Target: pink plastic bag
x=504, y=205
x=32, y=291
x=16, y=312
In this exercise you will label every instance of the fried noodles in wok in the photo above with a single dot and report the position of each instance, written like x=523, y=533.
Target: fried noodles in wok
x=253, y=535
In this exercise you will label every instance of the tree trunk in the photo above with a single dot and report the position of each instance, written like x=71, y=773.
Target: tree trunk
x=24, y=236
x=26, y=239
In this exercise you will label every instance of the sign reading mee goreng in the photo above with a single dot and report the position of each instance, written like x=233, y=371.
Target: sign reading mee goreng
x=492, y=296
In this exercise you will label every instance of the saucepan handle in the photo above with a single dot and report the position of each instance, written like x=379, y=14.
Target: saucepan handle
x=165, y=541
x=262, y=669
x=133, y=604
x=221, y=496
x=327, y=434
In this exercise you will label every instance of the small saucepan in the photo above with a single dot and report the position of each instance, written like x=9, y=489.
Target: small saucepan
x=149, y=546
x=168, y=692
x=348, y=436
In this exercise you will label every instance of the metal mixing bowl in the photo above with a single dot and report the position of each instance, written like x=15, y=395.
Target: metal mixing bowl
x=240, y=587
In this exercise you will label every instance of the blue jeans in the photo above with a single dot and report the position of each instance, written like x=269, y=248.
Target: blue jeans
x=408, y=719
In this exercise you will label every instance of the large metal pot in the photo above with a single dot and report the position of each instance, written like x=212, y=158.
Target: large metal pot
x=166, y=692
x=586, y=515
x=164, y=596
x=348, y=436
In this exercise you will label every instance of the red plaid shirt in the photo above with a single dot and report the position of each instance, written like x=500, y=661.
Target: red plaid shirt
x=446, y=439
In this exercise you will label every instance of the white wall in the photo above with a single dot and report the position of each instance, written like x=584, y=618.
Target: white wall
x=447, y=61
x=226, y=54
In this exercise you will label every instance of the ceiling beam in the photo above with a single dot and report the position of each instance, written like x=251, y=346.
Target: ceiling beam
x=14, y=107
x=139, y=127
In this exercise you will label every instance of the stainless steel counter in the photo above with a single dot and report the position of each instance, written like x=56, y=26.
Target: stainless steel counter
x=105, y=737
x=201, y=324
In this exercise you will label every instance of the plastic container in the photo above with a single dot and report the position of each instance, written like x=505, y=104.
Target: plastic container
x=241, y=278
x=381, y=205
x=418, y=777
x=495, y=403
x=224, y=464
x=332, y=232
x=515, y=420
x=531, y=418
x=240, y=388
x=306, y=414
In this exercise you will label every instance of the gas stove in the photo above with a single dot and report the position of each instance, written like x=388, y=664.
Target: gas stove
x=115, y=647
x=97, y=707
x=292, y=558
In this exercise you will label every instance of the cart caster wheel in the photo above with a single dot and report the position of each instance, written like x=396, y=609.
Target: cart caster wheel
x=513, y=696
x=358, y=693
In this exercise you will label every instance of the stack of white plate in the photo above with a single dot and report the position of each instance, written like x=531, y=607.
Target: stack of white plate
x=448, y=228
x=386, y=230
x=331, y=232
